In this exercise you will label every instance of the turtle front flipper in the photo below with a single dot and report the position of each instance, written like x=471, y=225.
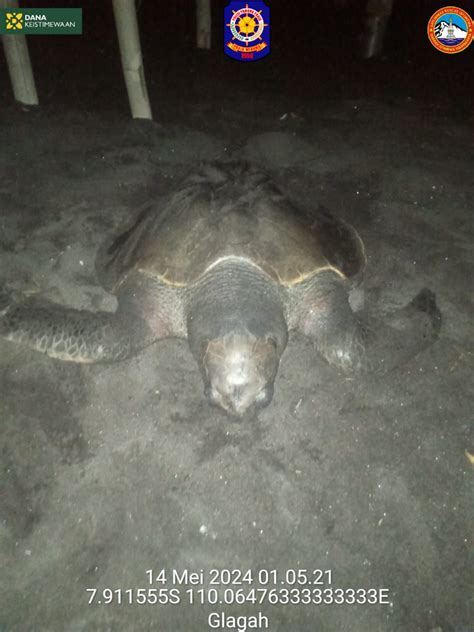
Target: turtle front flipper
x=69, y=334
x=357, y=345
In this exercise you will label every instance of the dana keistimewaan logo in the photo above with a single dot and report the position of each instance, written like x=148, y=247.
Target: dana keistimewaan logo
x=450, y=30
x=48, y=21
x=14, y=21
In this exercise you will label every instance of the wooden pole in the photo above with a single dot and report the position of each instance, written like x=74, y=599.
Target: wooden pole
x=203, y=23
x=132, y=62
x=19, y=64
x=377, y=15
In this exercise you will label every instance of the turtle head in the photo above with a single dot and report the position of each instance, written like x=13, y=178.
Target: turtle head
x=239, y=371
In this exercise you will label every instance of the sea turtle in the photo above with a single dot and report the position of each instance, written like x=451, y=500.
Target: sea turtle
x=229, y=263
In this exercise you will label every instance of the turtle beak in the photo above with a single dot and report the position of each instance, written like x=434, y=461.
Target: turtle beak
x=232, y=402
x=240, y=405
x=238, y=402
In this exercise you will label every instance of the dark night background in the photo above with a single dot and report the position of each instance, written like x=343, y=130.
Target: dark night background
x=314, y=54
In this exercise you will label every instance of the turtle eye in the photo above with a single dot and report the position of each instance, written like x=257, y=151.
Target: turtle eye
x=265, y=396
x=272, y=340
x=209, y=393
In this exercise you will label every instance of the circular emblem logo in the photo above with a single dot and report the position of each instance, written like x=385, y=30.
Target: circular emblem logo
x=247, y=25
x=450, y=30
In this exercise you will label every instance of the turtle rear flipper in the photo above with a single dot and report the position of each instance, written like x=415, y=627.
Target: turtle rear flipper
x=404, y=334
x=69, y=334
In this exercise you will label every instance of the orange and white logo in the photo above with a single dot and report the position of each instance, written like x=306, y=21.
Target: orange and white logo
x=450, y=30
